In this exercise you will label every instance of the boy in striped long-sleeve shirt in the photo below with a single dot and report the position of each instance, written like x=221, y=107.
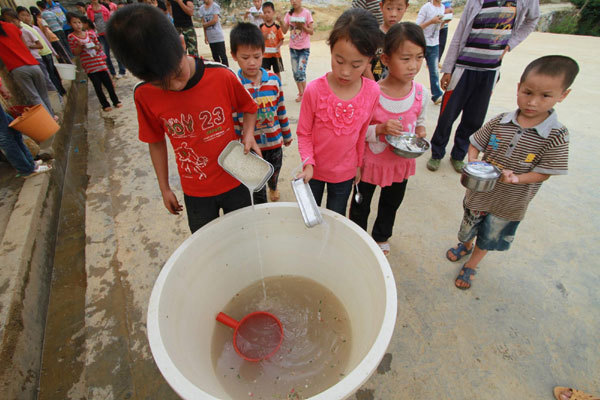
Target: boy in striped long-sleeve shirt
x=528, y=145
x=272, y=128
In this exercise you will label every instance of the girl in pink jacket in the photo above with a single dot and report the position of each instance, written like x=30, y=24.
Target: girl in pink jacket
x=336, y=110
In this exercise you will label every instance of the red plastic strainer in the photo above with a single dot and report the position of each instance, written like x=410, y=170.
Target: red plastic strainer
x=257, y=336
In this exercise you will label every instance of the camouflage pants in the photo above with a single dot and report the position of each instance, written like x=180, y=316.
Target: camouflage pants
x=189, y=36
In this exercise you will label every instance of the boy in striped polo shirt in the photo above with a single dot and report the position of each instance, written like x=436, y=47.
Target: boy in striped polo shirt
x=487, y=30
x=272, y=127
x=528, y=145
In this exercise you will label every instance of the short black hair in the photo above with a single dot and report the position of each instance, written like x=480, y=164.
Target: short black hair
x=90, y=24
x=161, y=4
x=41, y=5
x=246, y=34
x=360, y=27
x=146, y=42
x=553, y=66
x=8, y=12
x=401, y=32
x=72, y=15
x=268, y=4
x=20, y=9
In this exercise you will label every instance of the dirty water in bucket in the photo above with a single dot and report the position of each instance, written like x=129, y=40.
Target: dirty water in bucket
x=315, y=349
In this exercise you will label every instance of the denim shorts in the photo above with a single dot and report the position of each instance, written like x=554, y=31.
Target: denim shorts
x=493, y=233
x=299, y=60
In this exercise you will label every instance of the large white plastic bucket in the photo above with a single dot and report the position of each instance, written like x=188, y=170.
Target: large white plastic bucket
x=220, y=259
x=66, y=71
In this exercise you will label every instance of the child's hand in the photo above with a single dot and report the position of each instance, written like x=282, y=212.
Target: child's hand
x=250, y=144
x=287, y=142
x=170, y=201
x=445, y=81
x=420, y=131
x=509, y=176
x=436, y=20
x=306, y=174
x=390, y=127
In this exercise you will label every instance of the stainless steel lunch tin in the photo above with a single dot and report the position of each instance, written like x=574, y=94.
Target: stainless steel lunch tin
x=480, y=176
x=306, y=201
x=235, y=146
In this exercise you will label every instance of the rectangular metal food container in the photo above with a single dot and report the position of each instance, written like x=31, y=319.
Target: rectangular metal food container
x=236, y=149
x=306, y=201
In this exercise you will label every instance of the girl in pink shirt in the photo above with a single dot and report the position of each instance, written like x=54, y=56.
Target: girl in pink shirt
x=401, y=109
x=336, y=111
x=300, y=23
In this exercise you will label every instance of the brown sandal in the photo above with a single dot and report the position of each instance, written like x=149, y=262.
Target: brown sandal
x=575, y=394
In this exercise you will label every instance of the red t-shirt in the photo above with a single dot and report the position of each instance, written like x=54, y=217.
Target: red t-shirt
x=13, y=51
x=198, y=121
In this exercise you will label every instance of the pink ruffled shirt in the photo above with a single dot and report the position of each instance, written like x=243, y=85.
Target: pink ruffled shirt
x=331, y=132
x=382, y=166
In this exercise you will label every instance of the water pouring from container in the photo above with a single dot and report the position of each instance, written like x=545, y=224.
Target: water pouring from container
x=257, y=336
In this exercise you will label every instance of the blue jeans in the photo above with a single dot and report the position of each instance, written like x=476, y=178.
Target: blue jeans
x=431, y=56
x=337, y=194
x=299, y=59
x=106, y=47
x=492, y=232
x=11, y=143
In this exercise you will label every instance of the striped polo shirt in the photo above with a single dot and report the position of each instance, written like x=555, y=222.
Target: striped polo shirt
x=272, y=126
x=92, y=60
x=490, y=33
x=543, y=149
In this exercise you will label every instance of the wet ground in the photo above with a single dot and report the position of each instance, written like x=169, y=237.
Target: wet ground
x=530, y=322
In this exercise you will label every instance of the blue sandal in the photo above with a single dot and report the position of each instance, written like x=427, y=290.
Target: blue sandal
x=465, y=276
x=460, y=247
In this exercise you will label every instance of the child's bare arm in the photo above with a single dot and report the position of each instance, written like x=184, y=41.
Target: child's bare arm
x=158, y=154
x=248, y=134
x=420, y=131
x=509, y=176
x=473, y=153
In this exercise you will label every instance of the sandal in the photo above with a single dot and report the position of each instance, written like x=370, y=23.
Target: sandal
x=459, y=251
x=575, y=394
x=465, y=276
x=274, y=195
x=385, y=247
x=299, y=98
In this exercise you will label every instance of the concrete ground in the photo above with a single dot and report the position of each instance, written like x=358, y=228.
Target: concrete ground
x=530, y=322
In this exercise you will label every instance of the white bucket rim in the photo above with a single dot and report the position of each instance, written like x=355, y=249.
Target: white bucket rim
x=353, y=381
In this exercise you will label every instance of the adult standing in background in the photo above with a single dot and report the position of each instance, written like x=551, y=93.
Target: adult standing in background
x=99, y=15
x=487, y=30
x=182, y=11
x=373, y=6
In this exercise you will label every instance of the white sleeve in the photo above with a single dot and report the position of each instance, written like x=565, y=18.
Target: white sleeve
x=371, y=136
x=424, y=103
x=422, y=16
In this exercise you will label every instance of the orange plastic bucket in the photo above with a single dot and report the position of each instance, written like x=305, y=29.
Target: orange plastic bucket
x=36, y=123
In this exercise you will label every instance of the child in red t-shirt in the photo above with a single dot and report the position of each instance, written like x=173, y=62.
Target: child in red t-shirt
x=190, y=101
x=86, y=45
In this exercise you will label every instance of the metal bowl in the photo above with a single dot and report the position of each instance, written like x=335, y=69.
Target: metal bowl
x=408, y=145
x=480, y=176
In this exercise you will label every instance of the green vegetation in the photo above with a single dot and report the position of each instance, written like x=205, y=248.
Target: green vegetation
x=584, y=21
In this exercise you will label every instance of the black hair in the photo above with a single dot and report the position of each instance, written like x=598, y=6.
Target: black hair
x=401, y=32
x=268, y=4
x=360, y=27
x=21, y=9
x=41, y=5
x=8, y=12
x=86, y=20
x=246, y=34
x=405, y=2
x=146, y=42
x=35, y=13
x=71, y=15
x=80, y=4
x=553, y=66
x=161, y=4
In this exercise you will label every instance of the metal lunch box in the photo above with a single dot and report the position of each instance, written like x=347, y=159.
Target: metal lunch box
x=306, y=201
x=480, y=176
x=250, y=169
x=408, y=145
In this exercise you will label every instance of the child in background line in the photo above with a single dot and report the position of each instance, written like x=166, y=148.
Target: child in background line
x=430, y=19
x=46, y=52
x=272, y=127
x=528, y=145
x=273, y=40
x=255, y=13
x=392, y=11
x=401, y=110
x=190, y=101
x=300, y=21
x=213, y=32
x=60, y=51
x=337, y=109
x=86, y=45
